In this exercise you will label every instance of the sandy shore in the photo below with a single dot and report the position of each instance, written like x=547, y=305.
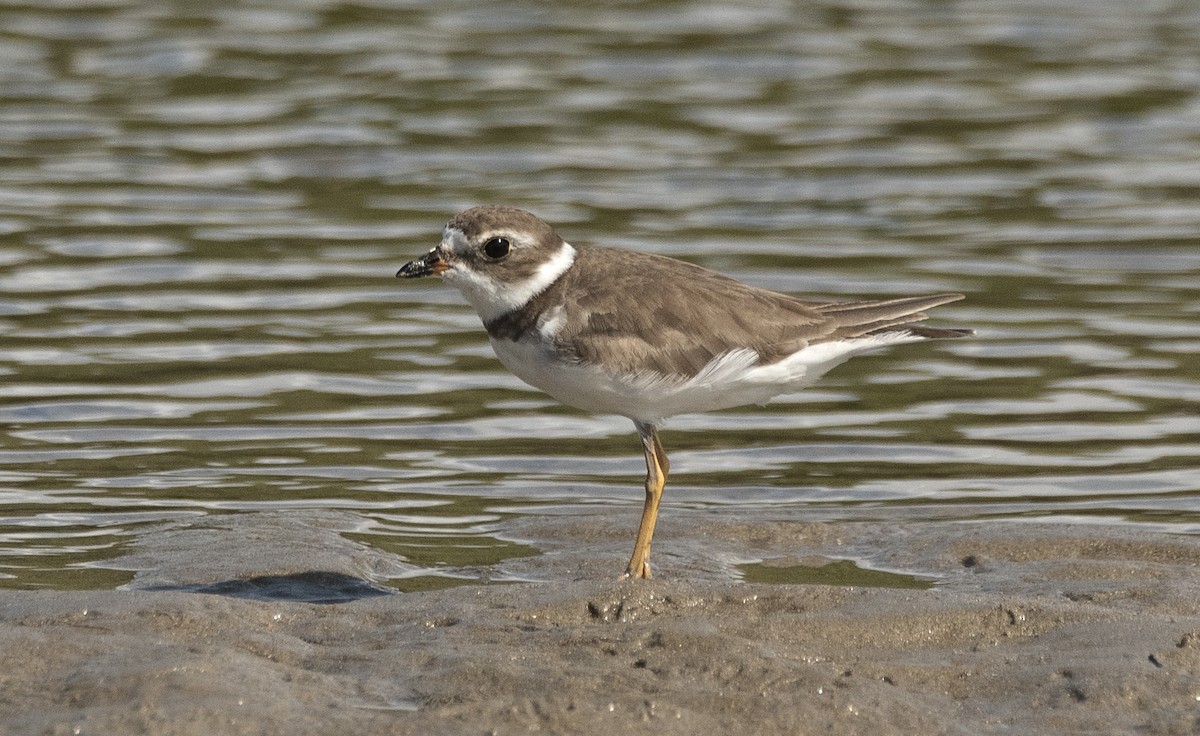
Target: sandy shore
x=1030, y=629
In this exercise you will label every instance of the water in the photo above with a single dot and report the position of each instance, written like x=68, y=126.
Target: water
x=202, y=209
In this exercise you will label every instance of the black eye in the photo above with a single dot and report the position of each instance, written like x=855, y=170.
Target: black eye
x=497, y=247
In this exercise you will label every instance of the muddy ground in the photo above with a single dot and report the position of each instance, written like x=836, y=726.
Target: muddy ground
x=1027, y=628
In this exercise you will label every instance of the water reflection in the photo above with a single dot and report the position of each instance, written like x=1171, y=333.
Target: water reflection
x=202, y=209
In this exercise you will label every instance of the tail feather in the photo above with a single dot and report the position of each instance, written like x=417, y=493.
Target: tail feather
x=855, y=319
x=934, y=333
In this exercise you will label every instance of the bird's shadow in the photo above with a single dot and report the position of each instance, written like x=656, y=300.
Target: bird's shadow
x=315, y=586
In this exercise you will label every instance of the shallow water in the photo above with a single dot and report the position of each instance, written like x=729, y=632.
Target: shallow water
x=202, y=210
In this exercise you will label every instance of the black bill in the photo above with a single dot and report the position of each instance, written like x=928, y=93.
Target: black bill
x=430, y=264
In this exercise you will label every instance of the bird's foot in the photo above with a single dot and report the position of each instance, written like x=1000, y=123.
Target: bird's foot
x=640, y=571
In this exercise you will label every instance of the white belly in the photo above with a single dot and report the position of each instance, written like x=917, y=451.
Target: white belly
x=730, y=380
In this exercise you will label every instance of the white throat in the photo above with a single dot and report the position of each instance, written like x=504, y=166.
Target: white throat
x=492, y=298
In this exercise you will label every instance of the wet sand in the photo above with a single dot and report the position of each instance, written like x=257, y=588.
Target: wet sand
x=1030, y=629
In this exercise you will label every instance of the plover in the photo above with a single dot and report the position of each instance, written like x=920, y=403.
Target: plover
x=648, y=337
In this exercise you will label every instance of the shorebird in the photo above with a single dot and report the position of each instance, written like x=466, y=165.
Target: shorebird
x=647, y=337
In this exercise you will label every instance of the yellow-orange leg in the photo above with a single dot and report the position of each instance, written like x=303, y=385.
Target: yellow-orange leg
x=657, y=467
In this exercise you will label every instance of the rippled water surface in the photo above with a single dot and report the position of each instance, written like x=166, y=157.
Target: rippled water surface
x=202, y=207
